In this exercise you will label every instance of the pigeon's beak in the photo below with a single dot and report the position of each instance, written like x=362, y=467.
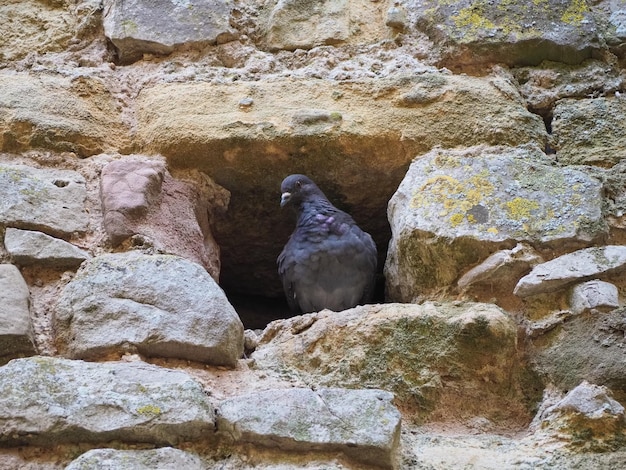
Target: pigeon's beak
x=284, y=198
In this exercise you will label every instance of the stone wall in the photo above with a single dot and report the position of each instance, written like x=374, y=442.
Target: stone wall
x=142, y=146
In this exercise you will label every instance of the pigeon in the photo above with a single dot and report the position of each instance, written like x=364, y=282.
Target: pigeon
x=328, y=261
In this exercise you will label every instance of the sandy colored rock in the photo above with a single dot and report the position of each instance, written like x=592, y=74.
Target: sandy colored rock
x=77, y=115
x=456, y=360
x=52, y=201
x=579, y=266
x=28, y=247
x=594, y=295
x=76, y=401
x=455, y=207
x=375, y=124
x=158, y=305
x=16, y=329
x=165, y=458
x=362, y=424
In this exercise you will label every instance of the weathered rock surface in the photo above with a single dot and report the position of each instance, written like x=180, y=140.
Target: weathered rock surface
x=138, y=27
x=457, y=359
x=362, y=424
x=28, y=247
x=87, y=122
x=76, y=401
x=588, y=417
x=596, y=295
x=455, y=207
x=52, y=201
x=158, y=305
x=16, y=330
x=515, y=33
x=165, y=458
x=173, y=215
x=578, y=266
x=590, y=131
x=249, y=151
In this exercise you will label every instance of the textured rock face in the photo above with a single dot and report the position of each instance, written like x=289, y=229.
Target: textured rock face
x=16, y=330
x=48, y=200
x=361, y=423
x=27, y=247
x=113, y=459
x=435, y=358
x=159, y=305
x=456, y=206
x=85, y=402
x=138, y=27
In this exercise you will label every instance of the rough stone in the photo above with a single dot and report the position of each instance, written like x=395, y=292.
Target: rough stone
x=514, y=33
x=457, y=359
x=158, y=305
x=455, y=207
x=502, y=267
x=578, y=266
x=384, y=124
x=596, y=295
x=16, y=330
x=590, y=131
x=87, y=121
x=138, y=27
x=48, y=200
x=298, y=24
x=362, y=424
x=173, y=215
x=27, y=247
x=165, y=458
x=76, y=401
x=588, y=416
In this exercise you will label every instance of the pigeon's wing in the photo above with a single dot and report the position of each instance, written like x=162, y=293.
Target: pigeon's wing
x=286, y=268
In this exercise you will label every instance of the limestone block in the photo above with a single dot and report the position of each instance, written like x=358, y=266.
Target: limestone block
x=303, y=24
x=140, y=197
x=165, y=458
x=138, y=27
x=28, y=247
x=363, y=424
x=588, y=417
x=52, y=201
x=502, y=267
x=158, y=305
x=457, y=359
x=590, y=131
x=515, y=33
x=597, y=295
x=454, y=207
x=578, y=266
x=335, y=128
x=54, y=112
x=76, y=401
x=16, y=330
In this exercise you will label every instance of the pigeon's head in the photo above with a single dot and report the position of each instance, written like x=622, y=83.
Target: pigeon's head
x=297, y=188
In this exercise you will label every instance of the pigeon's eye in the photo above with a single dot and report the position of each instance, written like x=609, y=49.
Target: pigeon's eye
x=298, y=184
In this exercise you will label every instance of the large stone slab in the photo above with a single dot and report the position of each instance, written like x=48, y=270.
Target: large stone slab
x=136, y=27
x=456, y=207
x=16, y=330
x=158, y=305
x=87, y=122
x=165, y=458
x=326, y=130
x=578, y=266
x=363, y=424
x=52, y=201
x=75, y=401
x=590, y=131
x=458, y=360
x=28, y=247
x=515, y=33
x=140, y=197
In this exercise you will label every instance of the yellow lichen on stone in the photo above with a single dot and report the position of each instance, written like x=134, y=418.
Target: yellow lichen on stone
x=492, y=230
x=149, y=410
x=456, y=219
x=473, y=17
x=575, y=13
x=520, y=208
